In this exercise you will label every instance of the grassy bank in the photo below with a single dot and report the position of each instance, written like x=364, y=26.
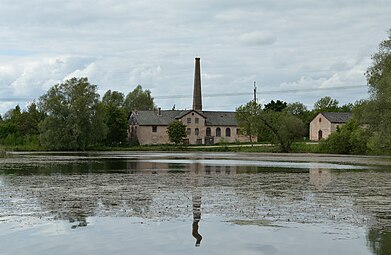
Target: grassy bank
x=299, y=147
x=3, y=153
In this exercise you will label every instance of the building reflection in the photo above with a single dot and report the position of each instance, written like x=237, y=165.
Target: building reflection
x=320, y=178
x=194, y=168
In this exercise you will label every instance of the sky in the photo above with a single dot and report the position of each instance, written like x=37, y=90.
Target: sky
x=297, y=50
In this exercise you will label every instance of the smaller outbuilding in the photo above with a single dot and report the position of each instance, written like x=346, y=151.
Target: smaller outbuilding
x=326, y=123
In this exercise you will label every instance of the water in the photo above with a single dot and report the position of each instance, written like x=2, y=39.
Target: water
x=190, y=203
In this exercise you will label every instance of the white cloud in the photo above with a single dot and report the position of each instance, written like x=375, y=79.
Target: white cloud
x=257, y=38
x=144, y=74
x=119, y=44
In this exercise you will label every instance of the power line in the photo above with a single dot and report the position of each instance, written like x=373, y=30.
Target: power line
x=260, y=92
x=309, y=90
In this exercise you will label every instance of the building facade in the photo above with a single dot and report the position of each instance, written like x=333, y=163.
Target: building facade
x=326, y=123
x=202, y=127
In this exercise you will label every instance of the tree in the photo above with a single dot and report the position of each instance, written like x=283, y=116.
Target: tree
x=376, y=112
x=28, y=121
x=115, y=118
x=349, y=139
x=114, y=98
x=300, y=111
x=326, y=104
x=277, y=106
x=281, y=128
x=139, y=99
x=296, y=108
x=73, y=119
x=176, y=131
x=247, y=119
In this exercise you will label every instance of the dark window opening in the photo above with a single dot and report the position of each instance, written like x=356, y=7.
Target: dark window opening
x=154, y=129
x=218, y=132
x=227, y=132
x=208, y=132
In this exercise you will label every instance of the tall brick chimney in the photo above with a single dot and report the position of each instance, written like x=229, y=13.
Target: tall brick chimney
x=197, y=99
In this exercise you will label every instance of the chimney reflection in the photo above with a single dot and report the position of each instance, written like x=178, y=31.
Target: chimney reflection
x=196, y=199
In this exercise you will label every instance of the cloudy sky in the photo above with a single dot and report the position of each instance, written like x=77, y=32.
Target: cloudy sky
x=295, y=50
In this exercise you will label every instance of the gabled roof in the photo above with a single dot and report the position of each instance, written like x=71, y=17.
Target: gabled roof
x=152, y=118
x=337, y=117
x=189, y=111
x=215, y=118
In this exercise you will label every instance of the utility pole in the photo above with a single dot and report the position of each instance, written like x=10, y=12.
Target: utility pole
x=255, y=92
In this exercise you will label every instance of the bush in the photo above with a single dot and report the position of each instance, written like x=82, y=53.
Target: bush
x=350, y=139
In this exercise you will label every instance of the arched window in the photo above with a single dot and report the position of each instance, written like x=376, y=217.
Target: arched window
x=196, y=131
x=320, y=120
x=208, y=132
x=227, y=132
x=218, y=132
x=320, y=134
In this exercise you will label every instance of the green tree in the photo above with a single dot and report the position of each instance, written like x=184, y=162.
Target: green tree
x=277, y=106
x=29, y=120
x=326, y=104
x=176, y=131
x=247, y=117
x=349, y=139
x=9, y=133
x=115, y=118
x=73, y=119
x=114, y=98
x=376, y=112
x=139, y=99
x=281, y=128
x=300, y=111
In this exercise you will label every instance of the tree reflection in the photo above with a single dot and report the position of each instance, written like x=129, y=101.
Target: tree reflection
x=379, y=241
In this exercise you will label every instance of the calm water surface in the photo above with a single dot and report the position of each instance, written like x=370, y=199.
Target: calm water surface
x=194, y=203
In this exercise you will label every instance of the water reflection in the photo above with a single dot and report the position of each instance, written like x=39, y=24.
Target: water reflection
x=320, y=178
x=379, y=241
x=196, y=200
x=165, y=189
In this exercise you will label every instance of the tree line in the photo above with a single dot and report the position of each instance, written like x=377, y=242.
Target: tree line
x=369, y=131
x=71, y=116
x=280, y=122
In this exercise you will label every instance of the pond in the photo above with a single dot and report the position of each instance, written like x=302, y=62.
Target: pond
x=194, y=203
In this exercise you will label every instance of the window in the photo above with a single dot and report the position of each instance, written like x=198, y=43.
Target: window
x=154, y=129
x=227, y=132
x=320, y=120
x=197, y=120
x=188, y=131
x=196, y=131
x=208, y=132
x=218, y=132
x=188, y=120
x=320, y=134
